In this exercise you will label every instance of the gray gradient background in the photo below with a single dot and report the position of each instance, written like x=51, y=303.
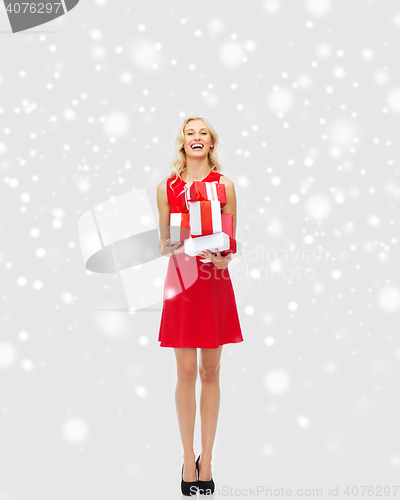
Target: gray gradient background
x=306, y=99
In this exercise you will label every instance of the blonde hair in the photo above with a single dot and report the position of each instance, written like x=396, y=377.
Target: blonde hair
x=178, y=164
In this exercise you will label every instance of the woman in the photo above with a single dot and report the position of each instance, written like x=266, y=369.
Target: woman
x=202, y=314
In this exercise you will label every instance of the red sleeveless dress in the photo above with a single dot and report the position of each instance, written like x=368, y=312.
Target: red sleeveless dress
x=199, y=306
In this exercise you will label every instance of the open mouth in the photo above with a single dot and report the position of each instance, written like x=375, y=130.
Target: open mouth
x=197, y=146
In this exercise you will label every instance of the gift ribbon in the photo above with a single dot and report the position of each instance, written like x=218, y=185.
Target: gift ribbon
x=205, y=217
x=211, y=192
x=186, y=193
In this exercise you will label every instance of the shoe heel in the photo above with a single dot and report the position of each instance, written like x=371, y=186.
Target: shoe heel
x=188, y=487
x=205, y=487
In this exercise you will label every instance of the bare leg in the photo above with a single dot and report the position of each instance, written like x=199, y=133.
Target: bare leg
x=185, y=399
x=209, y=406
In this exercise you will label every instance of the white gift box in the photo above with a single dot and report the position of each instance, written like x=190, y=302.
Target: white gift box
x=179, y=227
x=193, y=246
x=200, y=221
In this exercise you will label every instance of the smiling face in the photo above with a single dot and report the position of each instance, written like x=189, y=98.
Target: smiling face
x=198, y=140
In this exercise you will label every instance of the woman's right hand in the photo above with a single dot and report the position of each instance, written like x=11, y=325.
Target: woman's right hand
x=167, y=250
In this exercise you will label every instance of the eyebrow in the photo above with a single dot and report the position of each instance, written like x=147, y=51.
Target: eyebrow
x=187, y=130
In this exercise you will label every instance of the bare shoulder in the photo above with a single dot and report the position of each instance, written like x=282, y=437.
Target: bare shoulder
x=163, y=184
x=225, y=180
x=162, y=196
x=230, y=207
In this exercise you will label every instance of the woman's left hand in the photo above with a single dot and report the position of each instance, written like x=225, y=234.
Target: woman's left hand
x=220, y=261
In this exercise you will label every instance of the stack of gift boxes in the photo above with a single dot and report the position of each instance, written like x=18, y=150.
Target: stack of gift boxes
x=202, y=226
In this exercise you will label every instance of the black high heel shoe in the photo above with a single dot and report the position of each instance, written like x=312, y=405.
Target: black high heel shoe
x=189, y=487
x=204, y=486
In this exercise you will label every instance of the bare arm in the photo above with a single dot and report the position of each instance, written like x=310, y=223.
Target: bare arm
x=230, y=207
x=164, y=210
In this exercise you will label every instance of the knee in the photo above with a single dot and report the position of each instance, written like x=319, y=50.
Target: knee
x=187, y=374
x=209, y=374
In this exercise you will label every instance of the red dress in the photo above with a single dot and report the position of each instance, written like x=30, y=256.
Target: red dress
x=199, y=306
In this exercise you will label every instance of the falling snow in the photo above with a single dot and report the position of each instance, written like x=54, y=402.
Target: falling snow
x=305, y=97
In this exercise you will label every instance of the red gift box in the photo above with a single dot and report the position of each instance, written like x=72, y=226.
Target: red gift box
x=227, y=224
x=227, y=227
x=232, y=247
x=203, y=191
x=211, y=191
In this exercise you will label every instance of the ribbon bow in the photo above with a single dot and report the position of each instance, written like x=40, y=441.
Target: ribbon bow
x=186, y=190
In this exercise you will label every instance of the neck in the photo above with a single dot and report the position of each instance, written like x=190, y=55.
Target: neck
x=196, y=169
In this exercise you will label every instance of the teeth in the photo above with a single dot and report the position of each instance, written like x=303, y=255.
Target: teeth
x=197, y=147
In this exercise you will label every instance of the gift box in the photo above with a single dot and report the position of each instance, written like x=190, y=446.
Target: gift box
x=203, y=191
x=232, y=247
x=179, y=227
x=205, y=217
x=222, y=241
x=227, y=224
x=227, y=228
x=211, y=191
